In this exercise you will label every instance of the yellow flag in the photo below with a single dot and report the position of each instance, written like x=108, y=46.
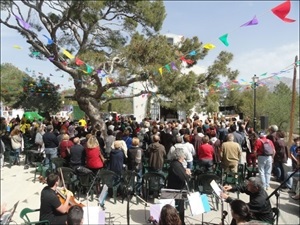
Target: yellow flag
x=209, y=46
x=68, y=54
x=160, y=70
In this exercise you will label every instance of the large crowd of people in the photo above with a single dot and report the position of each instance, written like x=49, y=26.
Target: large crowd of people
x=183, y=145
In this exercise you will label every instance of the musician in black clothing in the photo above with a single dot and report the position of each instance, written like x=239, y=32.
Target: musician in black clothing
x=178, y=178
x=260, y=207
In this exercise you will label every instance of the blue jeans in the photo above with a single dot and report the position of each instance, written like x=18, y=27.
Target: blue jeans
x=289, y=182
x=265, y=169
x=50, y=154
x=15, y=155
x=278, y=171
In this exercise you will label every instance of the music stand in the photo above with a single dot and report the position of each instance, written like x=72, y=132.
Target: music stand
x=7, y=216
x=179, y=195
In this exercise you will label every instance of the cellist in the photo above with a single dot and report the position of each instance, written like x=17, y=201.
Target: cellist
x=52, y=209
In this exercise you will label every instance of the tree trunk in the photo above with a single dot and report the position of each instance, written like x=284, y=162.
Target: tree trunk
x=90, y=106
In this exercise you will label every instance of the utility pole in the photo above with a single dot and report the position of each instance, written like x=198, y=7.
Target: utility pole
x=294, y=93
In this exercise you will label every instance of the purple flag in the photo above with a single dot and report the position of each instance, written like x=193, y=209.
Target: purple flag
x=254, y=21
x=24, y=24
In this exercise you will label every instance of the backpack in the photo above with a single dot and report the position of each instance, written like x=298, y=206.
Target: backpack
x=267, y=148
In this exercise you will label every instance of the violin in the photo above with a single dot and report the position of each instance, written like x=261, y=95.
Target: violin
x=62, y=195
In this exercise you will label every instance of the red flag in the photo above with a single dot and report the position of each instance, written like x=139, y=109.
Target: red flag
x=282, y=10
x=78, y=62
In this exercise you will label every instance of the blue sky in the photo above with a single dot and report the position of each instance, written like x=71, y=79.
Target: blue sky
x=269, y=47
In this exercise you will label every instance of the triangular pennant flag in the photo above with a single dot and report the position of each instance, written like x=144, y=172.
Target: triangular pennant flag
x=88, y=68
x=209, y=46
x=192, y=53
x=173, y=66
x=17, y=47
x=254, y=21
x=50, y=41
x=68, y=54
x=36, y=53
x=24, y=24
x=223, y=39
x=298, y=63
x=282, y=10
x=108, y=80
x=160, y=70
x=78, y=62
x=168, y=68
x=264, y=74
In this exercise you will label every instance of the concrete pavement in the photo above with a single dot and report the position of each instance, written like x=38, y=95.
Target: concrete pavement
x=17, y=185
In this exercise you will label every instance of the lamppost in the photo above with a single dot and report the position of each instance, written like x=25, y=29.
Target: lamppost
x=255, y=80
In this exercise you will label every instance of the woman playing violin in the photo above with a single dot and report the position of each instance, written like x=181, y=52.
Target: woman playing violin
x=52, y=209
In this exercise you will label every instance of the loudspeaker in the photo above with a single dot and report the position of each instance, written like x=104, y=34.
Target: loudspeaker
x=264, y=122
x=241, y=115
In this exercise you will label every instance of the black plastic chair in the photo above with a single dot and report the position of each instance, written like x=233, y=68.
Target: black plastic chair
x=129, y=184
x=58, y=162
x=153, y=182
x=202, y=184
x=232, y=179
x=69, y=176
x=85, y=178
x=111, y=180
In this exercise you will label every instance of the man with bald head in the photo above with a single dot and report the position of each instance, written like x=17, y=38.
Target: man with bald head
x=156, y=152
x=77, y=153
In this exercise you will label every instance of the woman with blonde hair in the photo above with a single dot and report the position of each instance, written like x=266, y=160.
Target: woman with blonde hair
x=64, y=147
x=94, y=158
x=17, y=144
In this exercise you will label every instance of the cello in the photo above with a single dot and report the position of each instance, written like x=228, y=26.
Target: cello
x=62, y=194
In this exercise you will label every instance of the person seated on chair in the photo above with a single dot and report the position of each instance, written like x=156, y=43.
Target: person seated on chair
x=241, y=214
x=75, y=215
x=259, y=206
x=169, y=216
x=51, y=208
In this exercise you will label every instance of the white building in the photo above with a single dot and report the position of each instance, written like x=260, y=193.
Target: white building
x=140, y=103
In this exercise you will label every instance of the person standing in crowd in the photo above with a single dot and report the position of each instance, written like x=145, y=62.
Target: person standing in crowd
x=157, y=154
x=116, y=159
x=39, y=138
x=51, y=208
x=281, y=156
x=258, y=204
x=206, y=155
x=230, y=154
x=293, y=151
x=77, y=154
x=64, y=147
x=264, y=161
x=94, y=158
x=51, y=144
x=109, y=139
x=17, y=144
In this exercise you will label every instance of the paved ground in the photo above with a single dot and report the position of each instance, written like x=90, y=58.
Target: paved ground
x=17, y=185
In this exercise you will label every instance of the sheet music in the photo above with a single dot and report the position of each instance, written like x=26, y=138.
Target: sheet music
x=216, y=187
x=198, y=203
x=156, y=208
x=93, y=215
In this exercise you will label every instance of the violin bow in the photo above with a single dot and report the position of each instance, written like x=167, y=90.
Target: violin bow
x=62, y=178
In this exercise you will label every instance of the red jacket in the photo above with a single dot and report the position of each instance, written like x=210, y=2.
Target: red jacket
x=206, y=151
x=63, y=146
x=93, y=160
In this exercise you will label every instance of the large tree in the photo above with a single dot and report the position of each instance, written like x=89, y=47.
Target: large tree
x=18, y=89
x=118, y=38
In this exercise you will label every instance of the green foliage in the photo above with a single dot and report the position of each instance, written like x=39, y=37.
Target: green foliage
x=11, y=83
x=19, y=90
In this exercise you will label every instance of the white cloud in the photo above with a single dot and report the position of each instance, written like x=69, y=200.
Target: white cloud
x=261, y=60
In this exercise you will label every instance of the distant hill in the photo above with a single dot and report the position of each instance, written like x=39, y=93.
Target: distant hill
x=271, y=83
